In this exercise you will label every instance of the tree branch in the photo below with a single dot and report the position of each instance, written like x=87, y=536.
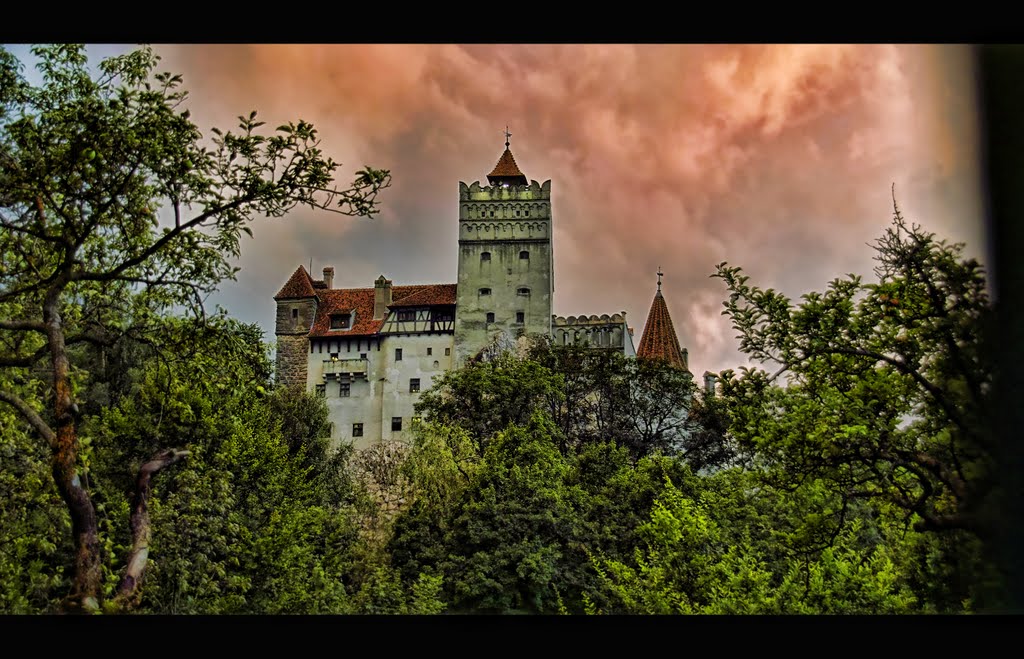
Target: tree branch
x=128, y=592
x=30, y=415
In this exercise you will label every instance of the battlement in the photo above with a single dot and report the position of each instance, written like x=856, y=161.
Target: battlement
x=603, y=319
x=477, y=192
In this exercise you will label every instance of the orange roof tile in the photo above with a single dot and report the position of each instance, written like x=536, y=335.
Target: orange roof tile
x=659, y=340
x=507, y=171
x=300, y=284
x=426, y=295
x=360, y=301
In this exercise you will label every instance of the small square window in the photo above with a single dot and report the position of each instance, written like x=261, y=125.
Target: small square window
x=490, y=316
x=414, y=385
x=485, y=256
x=447, y=352
x=362, y=355
x=430, y=351
x=341, y=321
x=522, y=291
x=520, y=317
x=398, y=354
x=345, y=389
x=321, y=390
x=357, y=430
x=396, y=423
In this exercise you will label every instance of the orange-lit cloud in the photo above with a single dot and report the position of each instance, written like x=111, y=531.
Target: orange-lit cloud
x=776, y=158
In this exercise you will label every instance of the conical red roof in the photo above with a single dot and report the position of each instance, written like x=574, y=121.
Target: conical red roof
x=299, y=285
x=659, y=340
x=507, y=171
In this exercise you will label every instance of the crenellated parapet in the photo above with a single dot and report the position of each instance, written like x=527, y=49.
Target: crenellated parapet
x=604, y=331
x=477, y=192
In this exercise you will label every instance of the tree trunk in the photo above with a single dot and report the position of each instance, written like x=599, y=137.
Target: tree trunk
x=129, y=590
x=87, y=576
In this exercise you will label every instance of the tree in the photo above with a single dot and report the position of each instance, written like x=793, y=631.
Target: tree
x=888, y=392
x=114, y=210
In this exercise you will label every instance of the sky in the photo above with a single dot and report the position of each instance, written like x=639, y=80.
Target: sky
x=780, y=159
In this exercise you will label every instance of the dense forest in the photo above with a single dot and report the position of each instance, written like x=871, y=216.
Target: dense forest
x=149, y=464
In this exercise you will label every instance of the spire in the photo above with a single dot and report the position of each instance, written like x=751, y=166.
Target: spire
x=659, y=339
x=507, y=171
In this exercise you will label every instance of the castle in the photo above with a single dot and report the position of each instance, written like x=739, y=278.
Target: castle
x=371, y=351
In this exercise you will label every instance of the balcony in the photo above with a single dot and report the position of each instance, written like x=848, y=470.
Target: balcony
x=349, y=366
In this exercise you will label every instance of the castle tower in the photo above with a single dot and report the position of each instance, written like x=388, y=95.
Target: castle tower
x=506, y=268
x=296, y=309
x=659, y=340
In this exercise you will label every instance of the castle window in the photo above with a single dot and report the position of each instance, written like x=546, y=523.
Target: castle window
x=437, y=364
x=447, y=352
x=524, y=254
x=522, y=291
x=321, y=390
x=398, y=354
x=485, y=256
x=362, y=355
x=406, y=315
x=357, y=430
x=396, y=423
x=345, y=389
x=517, y=213
x=295, y=314
x=492, y=213
x=490, y=316
x=414, y=385
x=520, y=317
x=430, y=351
x=485, y=291
x=527, y=212
x=341, y=321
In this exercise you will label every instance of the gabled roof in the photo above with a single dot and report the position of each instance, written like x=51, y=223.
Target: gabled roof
x=659, y=340
x=299, y=285
x=360, y=301
x=507, y=171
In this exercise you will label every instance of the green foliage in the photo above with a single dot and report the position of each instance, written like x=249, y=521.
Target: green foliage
x=888, y=391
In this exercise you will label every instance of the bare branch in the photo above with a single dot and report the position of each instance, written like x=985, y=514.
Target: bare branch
x=30, y=415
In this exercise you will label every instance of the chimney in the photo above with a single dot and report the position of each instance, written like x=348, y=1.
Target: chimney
x=709, y=383
x=329, y=276
x=381, y=297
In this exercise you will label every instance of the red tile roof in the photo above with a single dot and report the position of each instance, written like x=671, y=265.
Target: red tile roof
x=507, y=169
x=360, y=301
x=425, y=295
x=659, y=340
x=299, y=285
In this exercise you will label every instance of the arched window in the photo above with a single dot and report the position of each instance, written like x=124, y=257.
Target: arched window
x=485, y=256
x=524, y=254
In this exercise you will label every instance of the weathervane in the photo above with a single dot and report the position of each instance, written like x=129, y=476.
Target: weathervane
x=660, y=273
x=507, y=136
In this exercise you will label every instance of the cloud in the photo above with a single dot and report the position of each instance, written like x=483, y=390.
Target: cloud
x=778, y=158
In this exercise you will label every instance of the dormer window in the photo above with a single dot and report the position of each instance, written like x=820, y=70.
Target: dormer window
x=341, y=321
